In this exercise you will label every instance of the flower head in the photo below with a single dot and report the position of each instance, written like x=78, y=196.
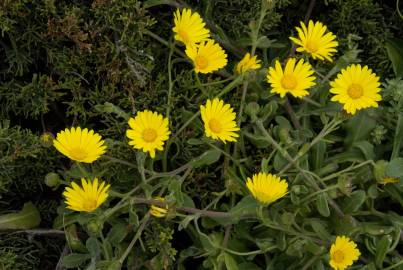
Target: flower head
x=149, y=130
x=295, y=79
x=248, y=63
x=343, y=253
x=314, y=41
x=357, y=88
x=81, y=145
x=86, y=198
x=219, y=120
x=207, y=56
x=266, y=187
x=158, y=211
x=189, y=27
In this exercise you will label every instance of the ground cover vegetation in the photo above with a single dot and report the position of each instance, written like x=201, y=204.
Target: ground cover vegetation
x=226, y=134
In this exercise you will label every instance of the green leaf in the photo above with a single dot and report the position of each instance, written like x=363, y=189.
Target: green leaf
x=27, y=218
x=322, y=205
x=117, y=234
x=247, y=205
x=319, y=228
x=354, y=202
x=366, y=149
x=382, y=248
x=93, y=247
x=75, y=260
x=207, y=158
x=230, y=262
x=395, y=168
x=318, y=155
x=394, y=47
x=395, y=193
x=108, y=107
x=359, y=128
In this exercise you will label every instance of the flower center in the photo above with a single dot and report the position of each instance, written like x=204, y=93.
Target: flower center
x=201, y=62
x=78, y=153
x=311, y=46
x=338, y=256
x=355, y=91
x=90, y=204
x=184, y=35
x=149, y=135
x=214, y=125
x=289, y=81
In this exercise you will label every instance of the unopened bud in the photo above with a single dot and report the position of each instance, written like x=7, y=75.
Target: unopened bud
x=52, y=179
x=158, y=211
x=47, y=139
x=94, y=226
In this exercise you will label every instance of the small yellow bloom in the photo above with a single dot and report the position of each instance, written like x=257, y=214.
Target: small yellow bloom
x=81, y=145
x=389, y=180
x=86, y=198
x=314, y=41
x=189, y=27
x=219, y=120
x=267, y=188
x=248, y=63
x=149, y=131
x=343, y=253
x=157, y=211
x=207, y=56
x=357, y=88
x=295, y=79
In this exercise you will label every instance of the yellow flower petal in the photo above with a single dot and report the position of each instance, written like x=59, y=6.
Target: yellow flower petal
x=80, y=145
x=219, y=120
x=313, y=40
x=149, y=131
x=357, y=88
x=189, y=27
x=86, y=198
x=207, y=56
x=295, y=79
x=343, y=253
x=267, y=188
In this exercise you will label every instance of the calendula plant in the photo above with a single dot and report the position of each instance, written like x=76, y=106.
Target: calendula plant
x=178, y=140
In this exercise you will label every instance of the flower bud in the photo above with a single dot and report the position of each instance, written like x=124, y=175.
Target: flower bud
x=94, y=227
x=47, y=139
x=157, y=211
x=252, y=109
x=52, y=179
x=380, y=170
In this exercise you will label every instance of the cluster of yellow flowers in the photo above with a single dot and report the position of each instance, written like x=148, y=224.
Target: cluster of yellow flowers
x=355, y=86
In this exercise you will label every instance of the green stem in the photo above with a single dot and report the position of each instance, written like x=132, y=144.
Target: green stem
x=106, y=252
x=135, y=238
x=394, y=265
x=398, y=137
x=83, y=171
x=226, y=89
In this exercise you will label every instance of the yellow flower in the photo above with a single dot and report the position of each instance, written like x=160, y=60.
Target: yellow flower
x=86, y=198
x=207, y=57
x=248, y=63
x=219, y=120
x=189, y=27
x=389, y=180
x=81, y=145
x=149, y=130
x=157, y=211
x=295, y=79
x=266, y=187
x=315, y=42
x=357, y=88
x=343, y=253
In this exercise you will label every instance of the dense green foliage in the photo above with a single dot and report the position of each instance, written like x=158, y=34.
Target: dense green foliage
x=95, y=63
